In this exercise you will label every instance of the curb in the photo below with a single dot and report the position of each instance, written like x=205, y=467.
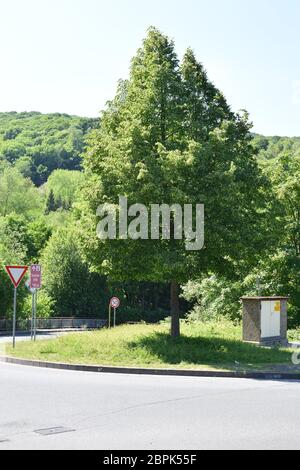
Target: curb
x=155, y=372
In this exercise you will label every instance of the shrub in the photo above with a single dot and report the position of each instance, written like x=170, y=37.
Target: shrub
x=45, y=306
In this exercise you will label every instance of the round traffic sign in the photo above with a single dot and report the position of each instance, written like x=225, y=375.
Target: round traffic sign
x=27, y=284
x=115, y=302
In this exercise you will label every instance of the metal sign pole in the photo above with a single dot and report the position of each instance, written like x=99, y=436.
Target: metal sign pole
x=32, y=317
x=109, y=317
x=114, y=318
x=15, y=318
x=35, y=312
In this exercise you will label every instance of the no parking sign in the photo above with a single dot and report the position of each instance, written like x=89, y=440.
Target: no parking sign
x=115, y=304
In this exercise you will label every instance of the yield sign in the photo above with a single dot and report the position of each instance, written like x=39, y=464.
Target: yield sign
x=16, y=274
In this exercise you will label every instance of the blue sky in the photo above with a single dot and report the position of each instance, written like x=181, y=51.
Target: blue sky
x=67, y=55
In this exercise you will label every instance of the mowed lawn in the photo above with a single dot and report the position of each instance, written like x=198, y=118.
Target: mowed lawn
x=209, y=345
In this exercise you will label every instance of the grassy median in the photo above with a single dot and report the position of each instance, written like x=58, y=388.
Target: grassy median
x=202, y=345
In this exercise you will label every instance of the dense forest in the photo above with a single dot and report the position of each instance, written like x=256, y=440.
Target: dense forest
x=48, y=168
x=38, y=144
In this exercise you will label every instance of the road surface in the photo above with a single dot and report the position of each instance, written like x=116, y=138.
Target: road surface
x=26, y=337
x=144, y=412
x=8, y=339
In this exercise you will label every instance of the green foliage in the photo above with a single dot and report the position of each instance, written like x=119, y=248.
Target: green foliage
x=38, y=234
x=281, y=163
x=12, y=252
x=18, y=194
x=45, y=142
x=51, y=205
x=68, y=281
x=63, y=187
x=170, y=137
x=32, y=235
x=138, y=314
x=273, y=147
x=214, y=298
x=45, y=306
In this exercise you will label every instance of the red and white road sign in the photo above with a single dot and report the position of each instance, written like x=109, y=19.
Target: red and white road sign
x=115, y=302
x=36, y=276
x=16, y=274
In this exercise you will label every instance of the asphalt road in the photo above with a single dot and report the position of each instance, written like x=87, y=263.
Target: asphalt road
x=26, y=337
x=144, y=412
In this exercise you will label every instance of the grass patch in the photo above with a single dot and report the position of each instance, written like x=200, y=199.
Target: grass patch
x=202, y=345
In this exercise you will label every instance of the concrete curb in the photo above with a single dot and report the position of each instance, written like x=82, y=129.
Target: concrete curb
x=155, y=372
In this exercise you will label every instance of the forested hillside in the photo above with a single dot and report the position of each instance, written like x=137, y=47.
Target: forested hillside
x=273, y=147
x=38, y=144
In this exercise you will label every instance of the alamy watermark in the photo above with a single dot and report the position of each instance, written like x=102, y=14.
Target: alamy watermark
x=160, y=221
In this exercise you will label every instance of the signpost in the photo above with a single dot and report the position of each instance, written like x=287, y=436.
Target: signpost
x=33, y=292
x=16, y=274
x=115, y=304
x=36, y=276
x=35, y=284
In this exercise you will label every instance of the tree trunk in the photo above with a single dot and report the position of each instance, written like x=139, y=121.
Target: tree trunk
x=175, y=310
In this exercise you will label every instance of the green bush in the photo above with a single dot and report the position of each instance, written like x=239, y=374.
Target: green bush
x=45, y=306
x=129, y=314
x=214, y=298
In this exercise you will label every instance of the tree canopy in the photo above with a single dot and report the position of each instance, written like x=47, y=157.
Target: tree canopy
x=170, y=137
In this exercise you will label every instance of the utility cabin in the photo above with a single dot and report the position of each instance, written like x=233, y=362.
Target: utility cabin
x=265, y=320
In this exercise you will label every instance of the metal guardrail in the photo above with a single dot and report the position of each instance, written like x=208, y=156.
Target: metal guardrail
x=55, y=324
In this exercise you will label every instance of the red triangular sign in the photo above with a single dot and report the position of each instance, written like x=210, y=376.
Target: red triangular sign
x=16, y=274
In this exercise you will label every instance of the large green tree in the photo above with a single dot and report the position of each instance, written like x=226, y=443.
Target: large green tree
x=170, y=137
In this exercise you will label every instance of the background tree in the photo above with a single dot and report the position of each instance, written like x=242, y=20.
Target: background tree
x=18, y=194
x=68, y=281
x=12, y=252
x=51, y=205
x=65, y=185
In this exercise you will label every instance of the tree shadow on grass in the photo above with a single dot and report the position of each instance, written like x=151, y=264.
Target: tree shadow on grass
x=218, y=352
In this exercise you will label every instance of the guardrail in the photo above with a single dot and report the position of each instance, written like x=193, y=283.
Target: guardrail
x=55, y=324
